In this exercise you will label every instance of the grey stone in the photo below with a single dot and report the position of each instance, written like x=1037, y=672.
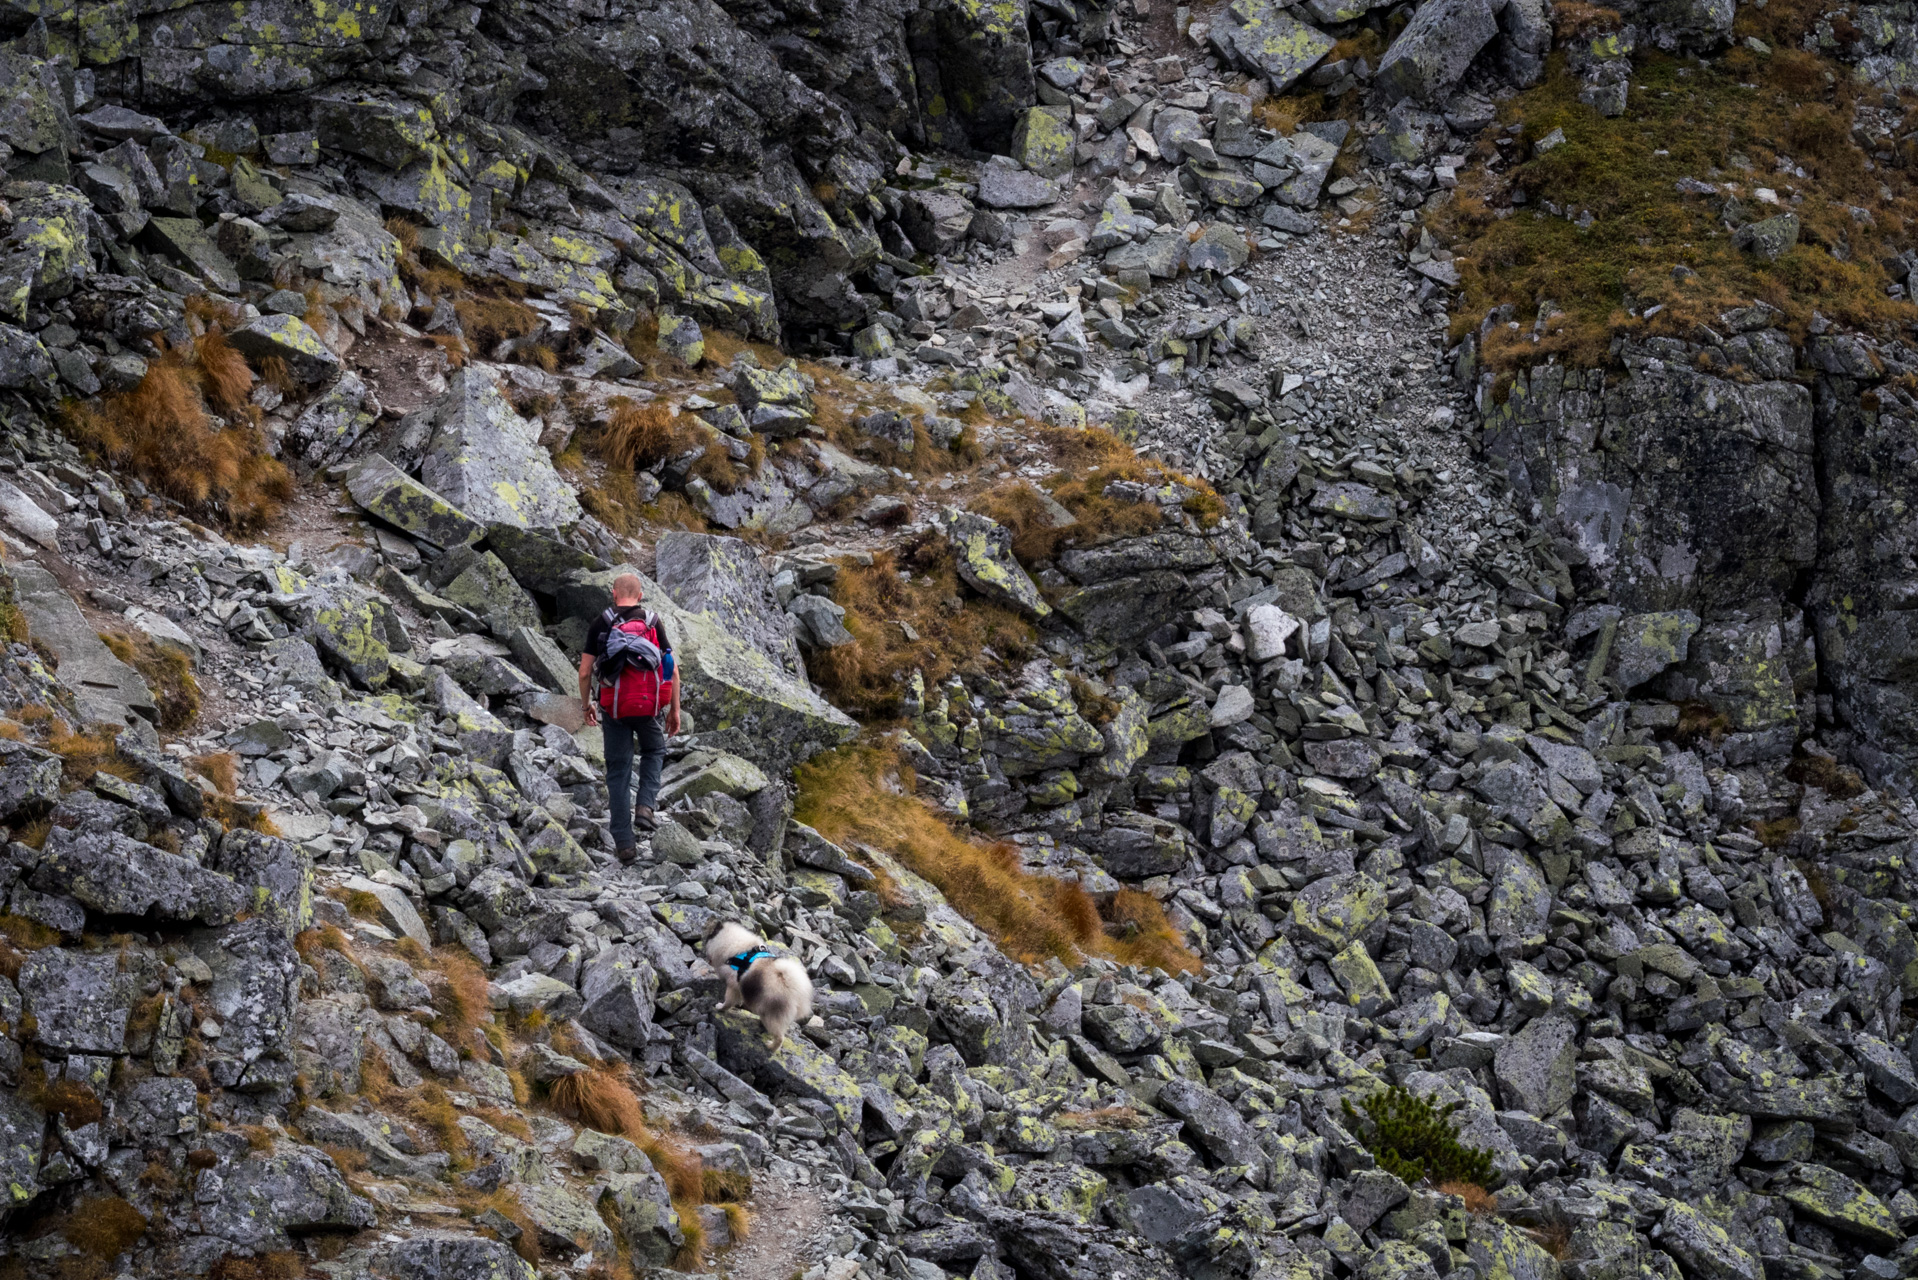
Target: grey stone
x=383, y=490
x=486, y=460
x=107, y=690
x=723, y=578
x=1432, y=53
x=1536, y=1069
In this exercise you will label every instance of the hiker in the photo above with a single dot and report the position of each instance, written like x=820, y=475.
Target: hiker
x=626, y=679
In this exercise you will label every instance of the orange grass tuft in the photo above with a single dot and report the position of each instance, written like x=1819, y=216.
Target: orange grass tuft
x=862, y=794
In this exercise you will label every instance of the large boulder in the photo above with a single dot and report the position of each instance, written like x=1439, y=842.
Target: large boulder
x=1432, y=53
x=106, y=689
x=1537, y=1067
x=982, y=551
x=798, y=1066
x=260, y=1201
x=722, y=577
x=982, y=68
x=255, y=987
x=79, y=1001
x=384, y=491
x=1261, y=37
x=486, y=460
x=1703, y=498
x=109, y=873
x=450, y=1255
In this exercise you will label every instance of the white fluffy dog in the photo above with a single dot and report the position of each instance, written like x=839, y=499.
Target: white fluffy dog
x=774, y=987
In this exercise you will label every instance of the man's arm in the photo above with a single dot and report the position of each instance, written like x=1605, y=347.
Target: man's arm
x=585, y=688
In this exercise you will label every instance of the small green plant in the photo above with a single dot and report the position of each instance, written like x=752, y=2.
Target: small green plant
x=1415, y=1139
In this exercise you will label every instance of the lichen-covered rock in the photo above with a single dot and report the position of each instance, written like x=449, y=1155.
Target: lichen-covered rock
x=108, y=690
x=1713, y=506
x=982, y=549
x=618, y=988
x=1042, y=141
x=23, y=1130
x=722, y=577
x=1536, y=1067
x=643, y=1211
x=275, y=874
x=79, y=1001
x=486, y=460
x=446, y=1255
x=798, y=1066
x=386, y=492
x=261, y=1199
x=29, y=777
x=48, y=248
x=254, y=990
x=1846, y=1206
x=1436, y=47
x=109, y=873
x=1263, y=38
x=355, y=630
x=776, y=401
x=288, y=339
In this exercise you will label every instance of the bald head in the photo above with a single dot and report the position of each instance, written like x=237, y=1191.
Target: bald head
x=626, y=589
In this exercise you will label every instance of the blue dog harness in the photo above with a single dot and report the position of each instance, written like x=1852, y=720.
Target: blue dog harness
x=746, y=959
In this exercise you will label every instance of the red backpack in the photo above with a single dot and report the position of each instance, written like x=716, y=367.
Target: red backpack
x=635, y=678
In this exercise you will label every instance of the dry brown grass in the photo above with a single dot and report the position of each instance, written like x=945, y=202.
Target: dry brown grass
x=461, y=999
x=639, y=435
x=163, y=432
x=221, y=768
x=1090, y=460
x=72, y=1099
x=600, y=1100
x=27, y=935
x=167, y=671
x=225, y=378
x=508, y=1206
x=1477, y=1199
x=283, y=1264
x=862, y=794
x=490, y=319
x=1141, y=935
x=429, y=1107
x=329, y=937
x=1776, y=833
x=1101, y=1118
x=719, y=1186
x=103, y=1227
x=1828, y=776
x=692, y=1254
x=84, y=753
x=948, y=633
x=739, y=1220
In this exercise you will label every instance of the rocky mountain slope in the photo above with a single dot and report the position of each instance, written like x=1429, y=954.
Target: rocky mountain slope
x=1300, y=611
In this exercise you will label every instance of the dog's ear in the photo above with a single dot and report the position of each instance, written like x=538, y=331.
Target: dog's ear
x=713, y=928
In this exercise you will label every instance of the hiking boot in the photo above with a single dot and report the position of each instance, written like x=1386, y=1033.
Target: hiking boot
x=645, y=820
x=625, y=854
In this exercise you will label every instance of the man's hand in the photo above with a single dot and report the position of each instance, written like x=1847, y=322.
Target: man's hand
x=592, y=712
x=672, y=720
